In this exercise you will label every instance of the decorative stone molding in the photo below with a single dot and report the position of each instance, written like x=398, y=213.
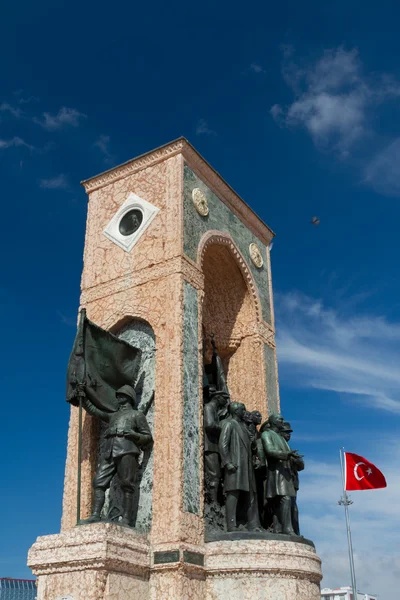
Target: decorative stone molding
x=189, y=270
x=200, y=201
x=134, y=165
x=218, y=237
x=267, y=333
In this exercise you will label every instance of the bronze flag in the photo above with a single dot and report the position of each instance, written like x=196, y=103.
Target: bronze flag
x=102, y=363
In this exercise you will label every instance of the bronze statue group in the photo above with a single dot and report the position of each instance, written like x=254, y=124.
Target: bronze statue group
x=252, y=472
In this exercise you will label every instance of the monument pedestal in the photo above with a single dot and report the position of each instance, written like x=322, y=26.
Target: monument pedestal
x=99, y=561
x=262, y=570
x=103, y=561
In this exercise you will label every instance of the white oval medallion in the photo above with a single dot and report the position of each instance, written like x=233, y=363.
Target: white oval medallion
x=200, y=201
x=255, y=255
x=65, y=598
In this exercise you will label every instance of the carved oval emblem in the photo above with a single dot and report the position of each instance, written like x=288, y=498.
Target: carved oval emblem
x=255, y=255
x=200, y=202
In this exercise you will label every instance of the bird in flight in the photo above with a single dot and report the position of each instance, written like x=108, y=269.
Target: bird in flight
x=315, y=221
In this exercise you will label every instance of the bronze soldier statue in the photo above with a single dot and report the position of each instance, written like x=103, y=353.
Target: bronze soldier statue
x=237, y=460
x=297, y=464
x=279, y=487
x=128, y=432
x=212, y=429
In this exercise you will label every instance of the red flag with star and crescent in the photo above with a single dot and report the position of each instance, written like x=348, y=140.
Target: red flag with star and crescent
x=360, y=474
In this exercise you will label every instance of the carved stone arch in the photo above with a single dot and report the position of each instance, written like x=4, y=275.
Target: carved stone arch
x=231, y=309
x=116, y=321
x=220, y=238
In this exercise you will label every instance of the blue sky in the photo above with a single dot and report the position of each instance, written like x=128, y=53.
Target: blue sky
x=297, y=106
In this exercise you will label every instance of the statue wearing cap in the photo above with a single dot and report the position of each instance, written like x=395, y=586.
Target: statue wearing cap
x=212, y=429
x=127, y=434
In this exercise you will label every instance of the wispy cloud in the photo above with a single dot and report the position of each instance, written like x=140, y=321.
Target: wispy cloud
x=15, y=142
x=103, y=144
x=202, y=128
x=16, y=112
x=352, y=355
x=383, y=171
x=333, y=98
x=69, y=321
x=256, y=68
x=24, y=99
x=65, y=117
x=55, y=183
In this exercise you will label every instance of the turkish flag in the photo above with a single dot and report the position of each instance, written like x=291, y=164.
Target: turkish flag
x=360, y=474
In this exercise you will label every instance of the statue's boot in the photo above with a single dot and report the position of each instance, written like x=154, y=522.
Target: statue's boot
x=99, y=497
x=128, y=509
x=295, y=517
x=286, y=515
x=253, y=517
x=230, y=508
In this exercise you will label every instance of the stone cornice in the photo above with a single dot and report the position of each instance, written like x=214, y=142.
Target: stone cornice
x=134, y=165
x=203, y=169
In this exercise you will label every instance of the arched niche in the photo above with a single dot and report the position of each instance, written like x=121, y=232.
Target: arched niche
x=231, y=310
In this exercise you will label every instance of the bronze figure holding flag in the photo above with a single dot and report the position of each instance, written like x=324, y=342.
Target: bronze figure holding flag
x=102, y=371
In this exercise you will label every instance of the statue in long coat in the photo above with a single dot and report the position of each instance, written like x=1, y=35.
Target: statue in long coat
x=237, y=460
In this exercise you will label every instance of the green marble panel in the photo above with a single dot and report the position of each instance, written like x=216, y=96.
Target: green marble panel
x=272, y=391
x=191, y=442
x=221, y=218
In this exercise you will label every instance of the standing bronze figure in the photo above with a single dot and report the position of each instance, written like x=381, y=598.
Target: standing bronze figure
x=237, y=460
x=128, y=432
x=279, y=488
x=212, y=429
x=296, y=464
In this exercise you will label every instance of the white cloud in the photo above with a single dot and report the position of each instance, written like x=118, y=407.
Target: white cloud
x=14, y=142
x=256, y=68
x=103, y=144
x=202, y=128
x=383, y=171
x=56, y=183
x=352, y=355
x=16, y=112
x=333, y=98
x=64, y=117
x=375, y=522
x=19, y=94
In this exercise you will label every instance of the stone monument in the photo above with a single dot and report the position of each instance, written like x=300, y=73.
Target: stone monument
x=174, y=259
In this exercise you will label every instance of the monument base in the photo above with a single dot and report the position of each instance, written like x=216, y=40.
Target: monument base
x=104, y=561
x=98, y=561
x=262, y=570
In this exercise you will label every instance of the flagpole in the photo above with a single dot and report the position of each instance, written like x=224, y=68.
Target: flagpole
x=346, y=502
x=79, y=473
